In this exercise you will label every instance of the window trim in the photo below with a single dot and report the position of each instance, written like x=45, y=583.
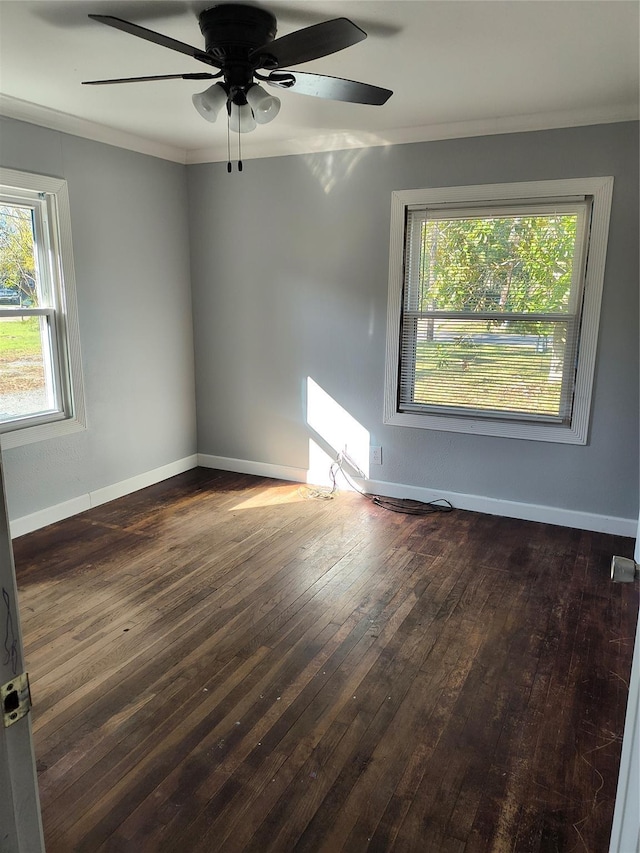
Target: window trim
x=66, y=320
x=600, y=190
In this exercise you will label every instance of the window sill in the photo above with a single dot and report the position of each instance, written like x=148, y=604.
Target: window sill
x=502, y=429
x=42, y=432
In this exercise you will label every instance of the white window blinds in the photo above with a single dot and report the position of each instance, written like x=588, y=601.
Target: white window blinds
x=491, y=309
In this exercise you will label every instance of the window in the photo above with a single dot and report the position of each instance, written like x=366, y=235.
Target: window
x=494, y=300
x=40, y=379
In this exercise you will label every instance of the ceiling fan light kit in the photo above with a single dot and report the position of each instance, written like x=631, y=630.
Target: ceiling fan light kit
x=265, y=106
x=239, y=42
x=210, y=102
x=241, y=118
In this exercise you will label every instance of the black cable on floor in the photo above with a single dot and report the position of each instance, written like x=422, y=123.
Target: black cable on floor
x=407, y=506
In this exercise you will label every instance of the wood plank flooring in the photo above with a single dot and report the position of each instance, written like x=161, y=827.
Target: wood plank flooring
x=219, y=664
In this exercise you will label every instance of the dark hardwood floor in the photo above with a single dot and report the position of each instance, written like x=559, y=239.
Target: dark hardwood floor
x=218, y=664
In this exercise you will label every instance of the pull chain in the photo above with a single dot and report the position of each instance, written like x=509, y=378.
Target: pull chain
x=228, y=141
x=239, y=151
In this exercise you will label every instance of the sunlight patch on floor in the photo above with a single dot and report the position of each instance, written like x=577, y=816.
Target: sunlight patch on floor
x=271, y=496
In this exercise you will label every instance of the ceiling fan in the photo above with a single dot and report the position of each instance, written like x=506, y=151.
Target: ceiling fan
x=240, y=44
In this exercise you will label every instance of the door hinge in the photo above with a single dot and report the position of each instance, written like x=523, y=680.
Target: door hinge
x=16, y=699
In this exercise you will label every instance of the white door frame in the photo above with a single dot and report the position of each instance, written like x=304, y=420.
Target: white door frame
x=20, y=821
x=625, y=833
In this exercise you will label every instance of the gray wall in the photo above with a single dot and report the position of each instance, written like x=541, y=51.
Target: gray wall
x=289, y=264
x=289, y=280
x=131, y=249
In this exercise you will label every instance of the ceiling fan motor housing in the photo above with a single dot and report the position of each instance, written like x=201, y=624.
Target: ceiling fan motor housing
x=232, y=31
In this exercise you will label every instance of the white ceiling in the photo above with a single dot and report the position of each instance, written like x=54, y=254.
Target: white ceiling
x=457, y=68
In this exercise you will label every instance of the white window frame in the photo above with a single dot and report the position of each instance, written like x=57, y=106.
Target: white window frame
x=600, y=191
x=50, y=198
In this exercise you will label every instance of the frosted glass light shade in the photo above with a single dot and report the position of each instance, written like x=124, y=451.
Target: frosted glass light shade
x=241, y=119
x=210, y=102
x=265, y=106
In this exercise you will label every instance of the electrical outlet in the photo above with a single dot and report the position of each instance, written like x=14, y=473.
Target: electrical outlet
x=375, y=455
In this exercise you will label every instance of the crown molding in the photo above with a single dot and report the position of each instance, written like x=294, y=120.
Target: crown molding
x=348, y=139
x=313, y=143
x=55, y=120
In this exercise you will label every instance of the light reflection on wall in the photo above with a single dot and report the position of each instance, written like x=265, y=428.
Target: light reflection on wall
x=333, y=166
x=338, y=431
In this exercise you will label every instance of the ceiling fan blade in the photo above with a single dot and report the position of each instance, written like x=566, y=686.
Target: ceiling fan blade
x=309, y=43
x=156, y=38
x=203, y=75
x=333, y=88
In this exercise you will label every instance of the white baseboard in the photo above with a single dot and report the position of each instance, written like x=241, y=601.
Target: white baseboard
x=259, y=469
x=511, y=509
x=475, y=503
x=141, y=481
x=28, y=523
x=36, y=520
